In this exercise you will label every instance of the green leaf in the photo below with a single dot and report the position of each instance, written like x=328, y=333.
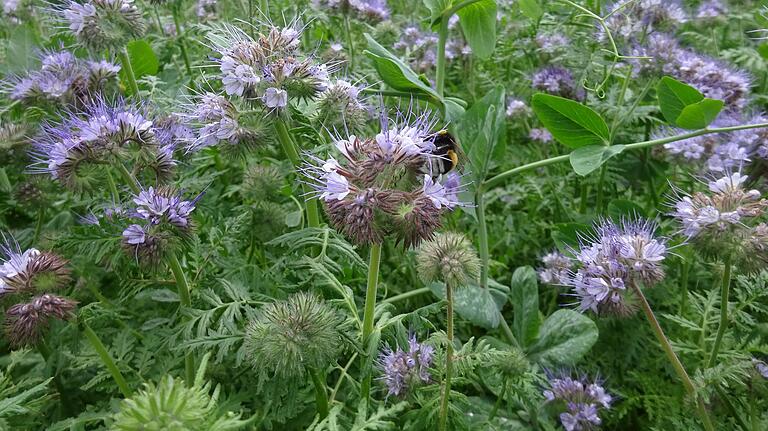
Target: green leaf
x=685, y=106
x=699, y=115
x=531, y=9
x=394, y=72
x=143, y=61
x=436, y=8
x=570, y=122
x=524, y=294
x=479, y=306
x=481, y=132
x=478, y=21
x=584, y=160
x=619, y=208
x=5, y=183
x=564, y=338
x=21, y=52
x=454, y=109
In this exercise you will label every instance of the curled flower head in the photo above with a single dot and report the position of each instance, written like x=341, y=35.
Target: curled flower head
x=579, y=401
x=611, y=260
x=292, y=337
x=557, y=268
x=384, y=185
x=404, y=369
x=340, y=106
x=163, y=220
x=104, y=24
x=26, y=323
x=449, y=257
x=30, y=270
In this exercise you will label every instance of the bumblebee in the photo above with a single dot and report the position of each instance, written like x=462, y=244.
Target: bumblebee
x=445, y=156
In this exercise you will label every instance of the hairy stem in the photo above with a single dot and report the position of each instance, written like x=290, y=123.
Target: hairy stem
x=290, y=150
x=725, y=287
x=482, y=237
x=128, y=177
x=442, y=33
x=672, y=357
x=106, y=358
x=370, y=307
x=125, y=62
x=186, y=301
x=443, y=424
x=321, y=396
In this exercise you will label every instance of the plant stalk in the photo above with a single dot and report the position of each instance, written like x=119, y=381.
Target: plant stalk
x=443, y=424
x=128, y=178
x=370, y=307
x=442, y=34
x=185, y=300
x=125, y=62
x=290, y=150
x=672, y=357
x=321, y=396
x=482, y=237
x=725, y=287
x=106, y=358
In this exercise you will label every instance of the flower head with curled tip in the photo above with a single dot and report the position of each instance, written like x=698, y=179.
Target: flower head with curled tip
x=103, y=24
x=448, y=257
x=578, y=401
x=378, y=187
x=404, y=369
x=611, y=260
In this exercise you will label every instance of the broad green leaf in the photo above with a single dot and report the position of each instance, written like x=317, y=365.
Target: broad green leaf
x=619, y=208
x=143, y=61
x=524, y=294
x=394, y=72
x=584, y=160
x=454, y=109
x=481, y=132
x=436, y=8
x=570, y=122
x=685, y=106
x=479, y=306
x=478, y=21
x=564, y=338
x=699, y=115
x=531, y=9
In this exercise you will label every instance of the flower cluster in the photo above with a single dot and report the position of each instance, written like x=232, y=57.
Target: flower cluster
x=421, y=47
x=711, y=9
x=217, y=120
x=385, y=185
x=550, y=43
x=206, y=10
x=557, y=268
x=15, y=11
x=340, y=106
x=614, y=258
x=372, y=10
x=402, y=370
x=643, y=17
x=517, y=108
x=718, y=219
x=62, y=79
x=662, y=54
x=104, y=24
x=558, y=81
x=104, y=133
x=31, y=274
x=579, y=400
x=165, y=219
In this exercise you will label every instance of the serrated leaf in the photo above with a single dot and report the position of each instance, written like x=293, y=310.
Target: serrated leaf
x=564, y=337
x=585, y=160
x=571, y=123
x=524, y=295
x=478, y=21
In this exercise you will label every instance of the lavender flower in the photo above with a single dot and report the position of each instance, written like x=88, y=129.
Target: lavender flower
x=340, y=106
x=557, y=268
x=540, y=135
x=643, y=17
x=710, y=9
x=615, y=257
x=550, y=43
x=421, y=48
x=579, y=400
x=556, y=80
x=517, y=108
x=206, y=10
x=383, y=186
x=761, y=367
x=104, y=24
x=373, y=10
x=402, y=370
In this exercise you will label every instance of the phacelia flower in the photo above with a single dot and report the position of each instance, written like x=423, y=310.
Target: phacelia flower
x=27, y=322
x=383, y=185
x=556, y=270
x=642, y=17
x=517, y=108
x=711, y=9
x=402, y=370
x=206, y=10
x=761, y=367
x=292, y=337
x=556, y=80
x=420, y=47
x=371, y=10
x=104, y=24
x=550, y=43
x=340, y=106
x=449, y=257
x=579, y=402
x=611, y=260
x=541, y=135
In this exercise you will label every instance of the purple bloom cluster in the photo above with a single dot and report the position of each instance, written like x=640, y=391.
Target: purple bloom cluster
x=643, y=17
x=558, y=81
x=104, y=24
x=761, y=367
x=517, y=108
x=373, y=10
x=206, y=10
x=540, y=135
x=550, y=43
x=14, y=263
x=340, y=106
x=403, y=369
x=710, y=9
x=420, y=47
x=216, y=119
x=62, y=78
x=581, y=401
x=557, y=268
x=99, y=134
x=616, y=256
x=713, y=78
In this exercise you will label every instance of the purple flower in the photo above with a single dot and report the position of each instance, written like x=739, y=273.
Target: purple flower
x=761, y=367
x=103, y=24
x=580, y=399
x=557, y=268
x=541, y=135
x=13, y=262
x=159, y=206
x=134, y=235
x=711, y=9
x=556, y=80
x=401, y=369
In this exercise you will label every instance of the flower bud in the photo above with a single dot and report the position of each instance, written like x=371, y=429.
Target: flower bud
x=450, y=258
x=26, y=323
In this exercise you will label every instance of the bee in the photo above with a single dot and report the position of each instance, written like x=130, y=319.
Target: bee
x=445, y=156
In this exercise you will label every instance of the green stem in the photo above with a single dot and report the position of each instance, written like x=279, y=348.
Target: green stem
x=350, y=42
x=106, y=358
x=113, y=188
x=185, y=300
x=405, y=295
x=672, y=356
x=290, y=150
x=725, y=286
x=128, y=178
x=321, y=396
x=443, y=424
x=651, y=143
x=499, y=399
x=442, y=33
x=180, y=38
x=125, y=62
x=39, y=224
x=483, y=237
x=370, y=307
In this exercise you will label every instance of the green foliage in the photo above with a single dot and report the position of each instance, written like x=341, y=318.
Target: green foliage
x=685, y=106
x=570, y=122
